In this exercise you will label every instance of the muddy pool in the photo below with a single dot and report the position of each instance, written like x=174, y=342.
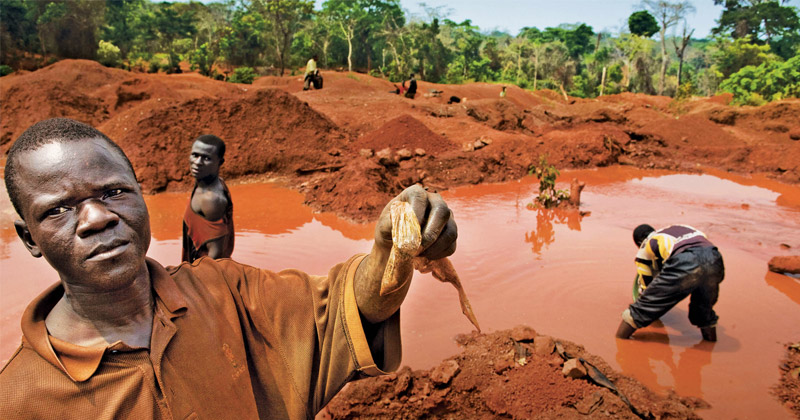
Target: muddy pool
x=563, y=272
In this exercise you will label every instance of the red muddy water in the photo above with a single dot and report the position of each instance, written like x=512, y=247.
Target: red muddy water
x=564, y=274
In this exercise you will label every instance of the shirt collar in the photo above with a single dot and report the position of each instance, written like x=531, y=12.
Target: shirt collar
x=77, y=362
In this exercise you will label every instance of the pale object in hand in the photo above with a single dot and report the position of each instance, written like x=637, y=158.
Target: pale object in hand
x=406, y=240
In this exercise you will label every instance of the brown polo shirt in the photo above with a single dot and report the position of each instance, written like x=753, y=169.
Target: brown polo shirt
x=229, y=341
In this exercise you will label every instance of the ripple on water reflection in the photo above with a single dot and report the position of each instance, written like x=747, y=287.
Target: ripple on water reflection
x=562, y=273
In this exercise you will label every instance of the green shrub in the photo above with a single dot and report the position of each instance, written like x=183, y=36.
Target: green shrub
x=158, y=62
x=203, y=59
x=243, y=75
x=548, y=196
x=108, y=54
x=770, y=81
x=5, y=70
x=685, y=91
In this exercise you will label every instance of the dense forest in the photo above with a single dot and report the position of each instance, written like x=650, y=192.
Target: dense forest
x=754, y=51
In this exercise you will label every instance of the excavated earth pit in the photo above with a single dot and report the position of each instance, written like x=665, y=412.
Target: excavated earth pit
x=340, y=153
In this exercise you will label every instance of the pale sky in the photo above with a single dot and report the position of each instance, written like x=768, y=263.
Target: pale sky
x=512, y=15
x=602, y=15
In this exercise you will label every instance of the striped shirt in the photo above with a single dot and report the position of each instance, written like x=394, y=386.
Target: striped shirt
x=660, y=245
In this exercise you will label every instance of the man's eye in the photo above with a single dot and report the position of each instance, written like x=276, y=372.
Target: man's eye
x=55, y=211
x=113, y=193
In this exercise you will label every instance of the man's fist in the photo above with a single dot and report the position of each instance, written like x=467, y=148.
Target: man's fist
x=438, y=228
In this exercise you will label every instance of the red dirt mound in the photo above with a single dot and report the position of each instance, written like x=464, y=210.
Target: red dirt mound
x=514, y=374
x=266, y=131
x=788, y=390
x=404, y=132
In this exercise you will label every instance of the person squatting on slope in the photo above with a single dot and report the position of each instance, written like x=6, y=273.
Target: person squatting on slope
x=122, y=337
x=411, y=90
x=208, y=219
x=673, y=263
x=312, y=76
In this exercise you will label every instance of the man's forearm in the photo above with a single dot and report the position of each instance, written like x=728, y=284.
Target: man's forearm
x=367, y=283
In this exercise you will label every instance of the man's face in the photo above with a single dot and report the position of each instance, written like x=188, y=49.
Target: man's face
x=204, y=160
x=84, y=212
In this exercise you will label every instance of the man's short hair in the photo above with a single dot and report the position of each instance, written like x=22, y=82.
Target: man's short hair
x=215, y=141
x=640, y=233
x=53, y=130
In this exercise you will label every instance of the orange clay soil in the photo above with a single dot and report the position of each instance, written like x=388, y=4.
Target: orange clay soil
x=788, y=390
x=331, y=145
x=514, y=374
x=319, y=140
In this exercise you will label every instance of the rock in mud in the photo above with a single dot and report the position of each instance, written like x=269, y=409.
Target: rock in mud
x=404, y=154
x=366, y=153
x=575, y=188
x=444, y=373
x=419, y=151
x=385, y=157
x=543, y=345
x=573, y=368
x=523, y=333
x=785, y=264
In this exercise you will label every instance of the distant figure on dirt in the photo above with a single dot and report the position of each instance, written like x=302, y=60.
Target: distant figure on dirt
x=312, y=76
x=673, y=263
x=503, y=92
x=208, y=219
x=411, y=90
x=122, y=337
x=454, y=100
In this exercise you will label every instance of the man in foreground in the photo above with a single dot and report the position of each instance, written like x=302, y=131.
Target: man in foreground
x=671, y=264
x=121, y=336
x=208, y=219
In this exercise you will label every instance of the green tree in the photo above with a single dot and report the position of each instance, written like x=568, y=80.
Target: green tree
x=771, y=80
x=347, y=14
x=729, y=57
x=244, y=39
x=121, y=23
x=764, y=21
x=68, y=29
x=667, y=14
x=286, y=17
x=171, y=23
x=643, y=24
x=17, y=30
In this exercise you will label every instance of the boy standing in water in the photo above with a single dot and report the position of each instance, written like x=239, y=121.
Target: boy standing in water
x=208, y=219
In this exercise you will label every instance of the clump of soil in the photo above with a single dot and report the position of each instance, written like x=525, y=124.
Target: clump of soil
x=404, y=132
x=785, y=264
x=514, y=374
x=788, y=389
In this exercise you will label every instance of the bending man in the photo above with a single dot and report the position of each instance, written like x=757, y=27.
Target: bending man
x=671, y=264
x=122, y=337
x=208, y=219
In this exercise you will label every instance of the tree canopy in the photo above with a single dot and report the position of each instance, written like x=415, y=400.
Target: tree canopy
x=241, y=39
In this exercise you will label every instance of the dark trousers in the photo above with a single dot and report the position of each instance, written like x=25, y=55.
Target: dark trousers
x=697, y=272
